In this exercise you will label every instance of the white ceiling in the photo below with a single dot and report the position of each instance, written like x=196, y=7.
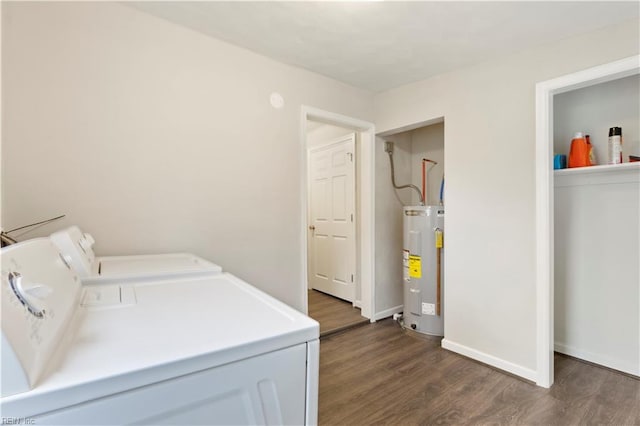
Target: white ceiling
x=382, y=45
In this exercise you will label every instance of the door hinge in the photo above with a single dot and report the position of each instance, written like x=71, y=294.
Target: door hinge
x=350, y=154
x=351, y=277
x=351, y=217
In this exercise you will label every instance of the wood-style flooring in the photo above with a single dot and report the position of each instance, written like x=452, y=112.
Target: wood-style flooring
x=378, y=374
x=332, y=313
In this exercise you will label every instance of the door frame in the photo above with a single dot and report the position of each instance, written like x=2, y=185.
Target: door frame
x=365, y=186
x=545, y=92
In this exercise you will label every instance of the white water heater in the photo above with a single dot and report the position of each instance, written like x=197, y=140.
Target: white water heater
x=423, y=258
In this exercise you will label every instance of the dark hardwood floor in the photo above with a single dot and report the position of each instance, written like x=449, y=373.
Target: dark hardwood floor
x=332, y=313
x=378, y=374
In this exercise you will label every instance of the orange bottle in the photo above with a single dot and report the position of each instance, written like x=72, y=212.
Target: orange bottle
x=580, y=150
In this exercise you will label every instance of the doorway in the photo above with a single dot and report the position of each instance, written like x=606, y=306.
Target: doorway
x=321, y=133
x=331, y=213
x=545, y=270
x=417, y=281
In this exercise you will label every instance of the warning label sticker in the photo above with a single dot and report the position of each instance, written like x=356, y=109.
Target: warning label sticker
x=415, y=266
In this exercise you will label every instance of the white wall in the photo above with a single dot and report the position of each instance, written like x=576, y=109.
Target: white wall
x=489, y=111
x=597, y=276
x=428, y=142
x=322, y=133
x=593, y=110
x=388, y=217
x=156, y=138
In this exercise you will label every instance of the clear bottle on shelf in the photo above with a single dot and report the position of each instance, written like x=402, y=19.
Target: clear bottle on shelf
x=615, y=145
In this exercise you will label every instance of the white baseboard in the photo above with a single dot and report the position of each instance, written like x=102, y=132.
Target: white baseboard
x=387, y=313
x=357, y=304
x=607, y=361
x=491, y=360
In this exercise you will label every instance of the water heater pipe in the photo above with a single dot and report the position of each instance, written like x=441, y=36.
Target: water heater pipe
x=438, y=237
x=424, y=177
x=438, y=280
x=388, y=147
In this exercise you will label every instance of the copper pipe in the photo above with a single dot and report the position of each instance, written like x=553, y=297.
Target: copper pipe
x=438, y=280
x=424, y=178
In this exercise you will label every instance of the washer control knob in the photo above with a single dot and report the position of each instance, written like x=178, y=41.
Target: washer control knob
x=86, y=242
x=29, y=295
x=89, y=239
x=67, y=260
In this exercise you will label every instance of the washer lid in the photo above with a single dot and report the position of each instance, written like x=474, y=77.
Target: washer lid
x=157, y=266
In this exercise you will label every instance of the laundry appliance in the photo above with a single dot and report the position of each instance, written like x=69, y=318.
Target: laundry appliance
x=207, y=349
x=77, y=250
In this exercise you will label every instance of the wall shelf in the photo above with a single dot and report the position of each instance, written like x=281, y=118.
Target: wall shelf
x=597, y=175
x=604, y=168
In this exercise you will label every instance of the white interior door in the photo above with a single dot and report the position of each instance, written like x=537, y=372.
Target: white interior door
x=332, y=205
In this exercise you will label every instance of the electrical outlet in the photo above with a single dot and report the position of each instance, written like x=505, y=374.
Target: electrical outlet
x=388, y=147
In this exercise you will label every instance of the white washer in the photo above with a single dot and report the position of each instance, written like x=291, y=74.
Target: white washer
x=77, y=249
x=199, y=350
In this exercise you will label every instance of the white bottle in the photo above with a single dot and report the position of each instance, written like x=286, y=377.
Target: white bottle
x=615, y=145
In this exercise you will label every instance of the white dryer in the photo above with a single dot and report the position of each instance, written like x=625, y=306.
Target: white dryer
x=77, y=250
x=199, y=350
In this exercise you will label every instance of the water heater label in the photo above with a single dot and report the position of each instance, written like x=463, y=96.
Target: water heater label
x=415, y=266
x=428, y=309
x=405, y=265
x=438, y=238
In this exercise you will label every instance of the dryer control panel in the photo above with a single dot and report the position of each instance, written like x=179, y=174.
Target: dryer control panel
x=40, y=294
x=77, y=249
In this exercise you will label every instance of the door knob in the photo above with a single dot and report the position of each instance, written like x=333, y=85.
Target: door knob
x=311, y=227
